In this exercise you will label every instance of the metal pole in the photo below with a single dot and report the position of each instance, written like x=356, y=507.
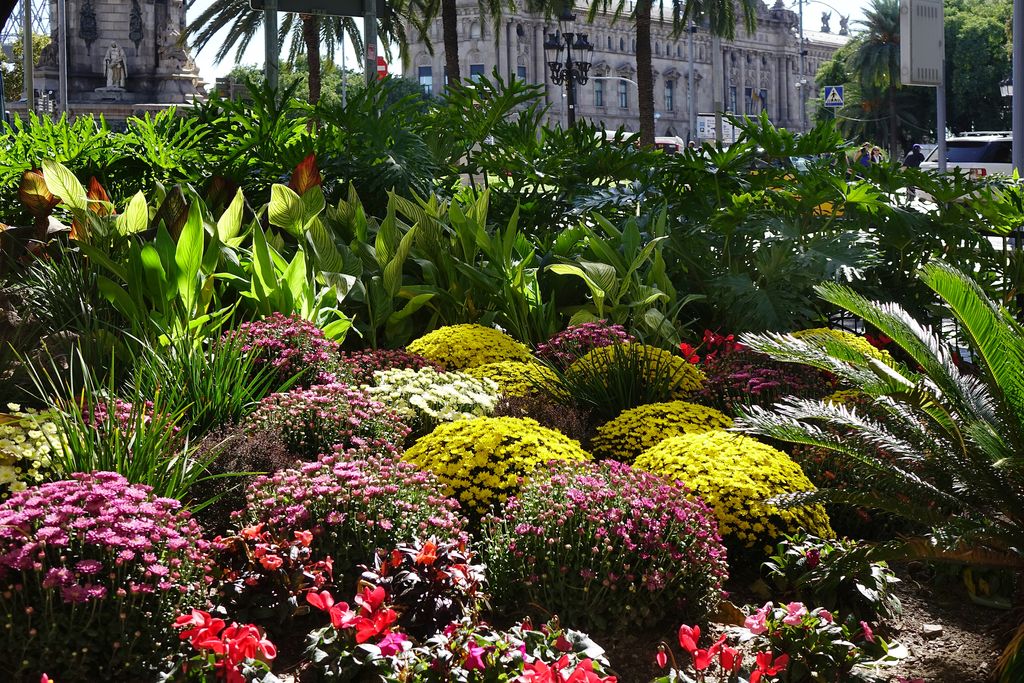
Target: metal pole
x=1018, y=86
x=940, y=120
x=370, y=39
x=271, y=52
x=344, y=74
x=570, y=82
x=717, y=83
x=62, y=53
x=803, y=85
x=28, y=57
x=692, y=114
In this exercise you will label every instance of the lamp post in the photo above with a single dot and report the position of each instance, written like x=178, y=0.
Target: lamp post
x=692, y=109
x=570, y=69
x=1018, y=75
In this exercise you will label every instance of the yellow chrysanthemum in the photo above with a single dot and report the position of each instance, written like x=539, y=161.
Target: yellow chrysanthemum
x=458, y=347
x=735, y=474
x=481, y=460
x=515, y=378
x=28, y=443
x=638, y=429
x=821, y=335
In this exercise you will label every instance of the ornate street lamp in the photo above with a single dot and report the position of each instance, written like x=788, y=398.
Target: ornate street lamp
x=1006, y=87
x=571, y=66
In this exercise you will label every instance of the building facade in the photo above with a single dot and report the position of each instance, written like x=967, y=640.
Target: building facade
x=759, y=72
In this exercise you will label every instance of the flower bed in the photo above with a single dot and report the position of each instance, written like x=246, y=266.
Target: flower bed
x=458, y=347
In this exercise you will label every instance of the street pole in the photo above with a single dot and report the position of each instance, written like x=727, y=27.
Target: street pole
x=1018, y=86
x=940, y=119
x=692, y=115
x=62, y=53
x=271, y=52
x=717, y=83
x=370, y=39
x=570, y=91
x=344, y=73
x=28, y=58
x=803, y=86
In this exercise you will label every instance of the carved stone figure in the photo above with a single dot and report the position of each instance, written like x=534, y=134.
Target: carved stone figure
x=114, y=66
x=48, y=56
x=171, y=52
x=825, y=18
x=87, y=27
x=844, y=25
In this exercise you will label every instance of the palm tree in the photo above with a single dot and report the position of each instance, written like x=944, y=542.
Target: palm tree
x=719, y=15
x=308, y=33
x=425, y=11
x=876, y=61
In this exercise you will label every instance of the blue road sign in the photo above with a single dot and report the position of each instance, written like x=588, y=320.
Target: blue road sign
x=833, y=95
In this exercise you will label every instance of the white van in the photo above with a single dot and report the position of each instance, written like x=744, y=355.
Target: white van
x=981, y=154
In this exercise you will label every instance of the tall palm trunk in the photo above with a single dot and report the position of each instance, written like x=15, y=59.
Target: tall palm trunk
x=645, y=72
x=450, y=31
x=311, y=37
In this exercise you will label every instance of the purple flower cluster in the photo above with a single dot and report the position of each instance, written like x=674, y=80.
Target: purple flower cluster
x=746, y=377
x=362, y=364
x=117, y=414
x=607, y=545
x=575, y=341
x=92, y=559
x=313, y=421
x=354, y=501
x=292, y=346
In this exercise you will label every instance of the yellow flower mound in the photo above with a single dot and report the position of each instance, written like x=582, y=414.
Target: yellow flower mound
x=855, y=341
x=458, y=347
x=515, y=378
x=656, y=365
x=638, y=429
x=480, y=461
x=733, y=474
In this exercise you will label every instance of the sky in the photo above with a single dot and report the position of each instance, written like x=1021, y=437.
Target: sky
x=254, y=55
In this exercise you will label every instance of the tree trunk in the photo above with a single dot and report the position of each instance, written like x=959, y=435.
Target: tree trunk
x=645, y=72
x=311, y=37
x=450, y=30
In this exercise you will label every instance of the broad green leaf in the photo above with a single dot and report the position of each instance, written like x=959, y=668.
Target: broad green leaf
x=63, y=183
x=393, y=271
x=295, y=276
x=313, y=203
x=230, y=222
x=135, y=217
x=414, y=304
x=285, y=209
x=188, y=256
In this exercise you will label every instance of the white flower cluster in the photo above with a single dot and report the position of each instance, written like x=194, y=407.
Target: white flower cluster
x=426, y=397
x=27, y=442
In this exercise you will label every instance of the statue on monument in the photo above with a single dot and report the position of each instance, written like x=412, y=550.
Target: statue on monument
x=825, y=18
x=114, y=66
x=844, y=25
x=171, y=51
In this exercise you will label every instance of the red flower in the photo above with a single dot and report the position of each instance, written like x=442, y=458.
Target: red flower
x=428, y=555
x=246, y=641
x=341, y=616
x=702, y=658
x=251, y=531
x=869, y=635
x=689, y=353
x=688, y=637
x=271, y=562
x=730, y=659
x=584, y=673
x=305, y=538
x=322, y=601
x=371, y=627
x=765, y=666
x=370, y=599
x=198, y=626
x=662, y=657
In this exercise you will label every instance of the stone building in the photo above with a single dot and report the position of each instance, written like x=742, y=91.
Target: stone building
x=760, y=71
x=124, y=57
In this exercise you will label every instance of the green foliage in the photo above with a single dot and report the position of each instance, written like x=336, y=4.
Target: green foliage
x=14, y=80
x=949, y=435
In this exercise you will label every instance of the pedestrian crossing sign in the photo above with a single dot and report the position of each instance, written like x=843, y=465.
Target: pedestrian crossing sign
x=833, y=95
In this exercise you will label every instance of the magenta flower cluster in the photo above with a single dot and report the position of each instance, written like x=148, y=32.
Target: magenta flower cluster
x=313, y=421
x=362, y=364
x=90, y=561
x=606, y=545
x=117, y=414
x=746, y=377
x=292, y=346
x=572, y=343
x=354, y=501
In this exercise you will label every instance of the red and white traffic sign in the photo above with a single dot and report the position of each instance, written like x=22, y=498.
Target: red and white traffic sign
x=382, y=68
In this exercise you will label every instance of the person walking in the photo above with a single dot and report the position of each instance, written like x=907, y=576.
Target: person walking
x=876, y=155
x=913, y=160
x=863, y=156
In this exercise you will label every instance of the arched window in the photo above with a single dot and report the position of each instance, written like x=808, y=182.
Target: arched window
x=474, y=30
x=622, y=44
x=634, y=45
x=657, y=48
x=609, y=43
